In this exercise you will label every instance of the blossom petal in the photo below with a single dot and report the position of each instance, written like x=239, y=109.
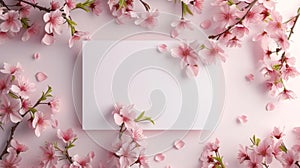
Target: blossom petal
x=205, y=24
x=242, y=119
x=178, y=144
x=163, y=48
x=36, y=56
x=270, y=107
x=249, y=77
x=159, y=157
x=40, y=76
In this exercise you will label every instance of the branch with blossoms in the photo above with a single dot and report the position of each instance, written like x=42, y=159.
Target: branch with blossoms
x=15, y=18
x=130, y=146
x=260, y=153
x=211, y=156
x=17, y=106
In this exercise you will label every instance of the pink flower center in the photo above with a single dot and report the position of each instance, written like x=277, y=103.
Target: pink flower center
x=23, y=88
x=8, y=110
x=10, y=19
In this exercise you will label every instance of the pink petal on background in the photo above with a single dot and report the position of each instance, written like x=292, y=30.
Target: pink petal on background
x=270, y=107
x=205, y=24
x=249, y=77
x=163, y=48
x=242, y=119
x=159, y=157
x=178, y=144
x=36, y=56
x=168, y=166
x=40, y=76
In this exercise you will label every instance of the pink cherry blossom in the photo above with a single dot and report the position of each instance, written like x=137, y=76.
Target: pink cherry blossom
x=275, y=25
x=179, y=26
x=128, y=154
x=11, y=160
x=77, y=36
x=25, y=105
x=212, y=52
x=15, y=145
x=67, y=136
x=289, y=159
x=187, y=53
x=148, y=19
x=5, y=84
x=159, y=157
x=49, y=159
x=142, y=160
x=24, y=10
x=136, y=133
x=296, y=130
x=281, y=39
x=40, y=76
x=234, y=42
x=286, y=94
x=12, y=69
x=243, y=154
x=54, y=105
x=40, y=123
x=31, y=31
x=11, y=22
x=69, y=5
x=9, y=110
x=23, y=87
x=213, y=146
x=82, y=162
x=48, y=39
x=54, y=5
x=254, y=161
x=96, y=7
x=240, y=30
x=54, y=21
x=226, y=16
x=289, y=71
x=265, y=149
x=178, y=144
x=126, y=116
x=198, y=5
x=253, y=15
x=277, y=133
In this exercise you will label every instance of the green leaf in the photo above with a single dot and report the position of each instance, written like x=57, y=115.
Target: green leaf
x=12, y=95
x=186, y=9
x=230, y=2
x=283, y=148
x=277, y=67
x=255, y=141
x=298, y=11
x=33, y=110
x=82, y=6
x=122, y=3
x=13, y=77
x=140, y=116
x=25, y=23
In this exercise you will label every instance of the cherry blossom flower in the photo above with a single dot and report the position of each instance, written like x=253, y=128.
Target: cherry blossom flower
x=265, y=149
x=9, y=110
x=254, y=160
x=15, y=145
x=281, y=39
x=54, y=21
x=67, y=136
x=48, y=39
x=212, y=52
x=49, y=159
x=69, y=5
x=77, y=36
x=54, y=5
x=187, y=53
x=32, y=30
x=148, y=19
x=96, y=7
x=198, y=5
x=24, y=10
x=5, y=85
x=296, y=130
x=23, y=87
x=179, y=26
x=128, y=154
x=286, y=94
x=12, y=69
x=142, y=160
x=289, y=159
x=213, y=146
x=25, y=105
x=54, y=105
x=136, y=133
x=40, y=123
x=243, y=154
x=11, y=160
x=226, y=16
x=269, y=4
x=126, y=116
x=277, y=133
x=275, y=25
x=11, y=22
x=289, y=71
x=82, y=162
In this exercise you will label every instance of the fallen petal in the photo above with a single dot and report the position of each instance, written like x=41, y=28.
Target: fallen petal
x=179, y=144
x=242, y=119
x=205, y=24
x=159, y=157
x=40, y=76
x=270, y=107
x=36, y=56
x=163, y=48
x=249, y=77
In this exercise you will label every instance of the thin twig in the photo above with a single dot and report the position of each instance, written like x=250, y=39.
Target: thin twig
x=35, y=5
x=238, y=22
x=4, y=4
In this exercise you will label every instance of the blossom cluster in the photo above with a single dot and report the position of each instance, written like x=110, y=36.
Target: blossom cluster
x=17, y=19
x=260, y=153
x=130, y=146
x=17, y=106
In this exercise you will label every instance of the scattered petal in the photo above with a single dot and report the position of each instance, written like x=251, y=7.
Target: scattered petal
x=163, y=48
x=270, y=107
x=242, y=119
x=179, y=144
x=40, y=76
x=168, y=166
x=159, y=157
x=249, y=77
x=205, y=24
x=36, y=56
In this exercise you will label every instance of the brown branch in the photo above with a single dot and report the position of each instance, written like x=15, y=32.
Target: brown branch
x=238, y=22
x=11, y=136
x=294, y=24
x=4, y=4
x=35, y=5
x=146, y=6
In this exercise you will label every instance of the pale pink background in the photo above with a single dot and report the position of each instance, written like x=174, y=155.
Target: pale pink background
x=242, y=97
